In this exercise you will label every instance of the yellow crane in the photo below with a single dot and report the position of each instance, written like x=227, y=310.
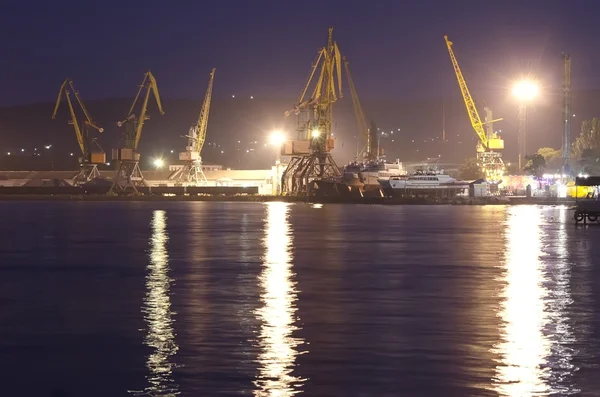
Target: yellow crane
x=129, y=174
x=370, y=154
x=89, y=160
x=310, y=153
x=490, y=145
x=192, y=157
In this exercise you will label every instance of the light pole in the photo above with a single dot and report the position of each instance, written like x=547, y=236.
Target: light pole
x=525, y=91
x=277, y=139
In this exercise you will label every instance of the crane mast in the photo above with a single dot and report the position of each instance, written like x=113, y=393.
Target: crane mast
x=490, y=144
x=129, y=175
x=360, y=116
x=568, y=115
x=310, y=153
x=88, y=160
x=192, y=157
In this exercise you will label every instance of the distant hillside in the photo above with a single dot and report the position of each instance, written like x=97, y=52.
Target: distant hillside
x=249, y=121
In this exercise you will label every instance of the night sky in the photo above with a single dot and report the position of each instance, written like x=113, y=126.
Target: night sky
x=265, y=48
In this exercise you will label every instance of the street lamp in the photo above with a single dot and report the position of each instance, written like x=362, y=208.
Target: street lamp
x=525, y=91
x=158, y=163
x=277, y=139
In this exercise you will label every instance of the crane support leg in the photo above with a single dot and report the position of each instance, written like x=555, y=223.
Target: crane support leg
x=302, y=171
x=190, y=175
x=128, y=178
x=87, y=172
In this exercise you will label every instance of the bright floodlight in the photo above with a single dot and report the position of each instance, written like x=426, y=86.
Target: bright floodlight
x=525, y=90
x=158, y=163
x=315, y=133
x=277, y=138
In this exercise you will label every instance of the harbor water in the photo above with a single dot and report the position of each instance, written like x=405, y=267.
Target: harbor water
x=278, y=299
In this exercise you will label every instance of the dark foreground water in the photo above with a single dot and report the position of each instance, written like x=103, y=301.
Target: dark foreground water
x=226, y=299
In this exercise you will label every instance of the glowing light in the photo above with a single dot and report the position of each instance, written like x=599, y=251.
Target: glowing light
x=315, y=133
x=277, y=138
x=525, y=90
x=278, y=345
x=158, y=163
x=158, y=315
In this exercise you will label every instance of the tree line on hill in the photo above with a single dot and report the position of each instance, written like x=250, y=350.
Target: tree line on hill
x=585, y=157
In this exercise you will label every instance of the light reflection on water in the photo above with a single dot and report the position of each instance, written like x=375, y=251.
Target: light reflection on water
x=158, y=314
x=533, y=358
x=278, y=321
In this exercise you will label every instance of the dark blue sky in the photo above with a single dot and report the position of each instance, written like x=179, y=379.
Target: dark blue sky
x=265, y=48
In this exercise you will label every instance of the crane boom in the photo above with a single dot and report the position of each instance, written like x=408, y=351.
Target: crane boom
x=469, y=103
x=66, y=87
x=134, y=133
x=358, y=112
x=202, y=124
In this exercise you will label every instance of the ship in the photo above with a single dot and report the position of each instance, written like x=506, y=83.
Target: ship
x=423, y=183
x=363, y=176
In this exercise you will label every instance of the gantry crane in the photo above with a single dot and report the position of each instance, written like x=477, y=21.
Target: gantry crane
x=490, y=145
x=89, y=160
x=368, y=150
x=311, y=153
x=129, y=175
x=192, y=173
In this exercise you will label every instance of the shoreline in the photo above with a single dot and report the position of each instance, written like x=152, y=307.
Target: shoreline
x=292, y=199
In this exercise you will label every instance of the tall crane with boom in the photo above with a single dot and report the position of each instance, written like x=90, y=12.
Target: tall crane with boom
x=129, y=175
x=89, y=160
x=369, y=152
x=192, y=169
x=490, y=145
x=311, y=152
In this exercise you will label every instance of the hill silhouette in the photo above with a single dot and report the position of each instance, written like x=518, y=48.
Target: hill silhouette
x=250, y=122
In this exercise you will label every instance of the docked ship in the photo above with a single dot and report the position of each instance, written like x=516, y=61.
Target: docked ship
x=423, y=183
x=363, y=176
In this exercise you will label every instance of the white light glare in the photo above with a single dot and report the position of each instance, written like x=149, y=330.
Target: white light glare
x=315, y=133
x=158, y=163
x=525, y=90
x=277, y=138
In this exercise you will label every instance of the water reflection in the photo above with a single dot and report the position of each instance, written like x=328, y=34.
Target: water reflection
x=535, y=357
x=524, y=346
x=278, y=346
x=158, y=314
x=560, y=326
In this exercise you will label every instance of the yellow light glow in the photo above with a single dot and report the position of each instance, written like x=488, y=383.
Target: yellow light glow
x=279, y=347
x=157, y=313
x=277, y=138
x=158, y=163
x=525, y=90
x=315, y=133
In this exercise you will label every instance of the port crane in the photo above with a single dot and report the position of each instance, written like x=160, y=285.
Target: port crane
x=192, y=173
x=368, y=150
x=310, y=153
x=89, y=160
x=490, y=145
x=129, y=176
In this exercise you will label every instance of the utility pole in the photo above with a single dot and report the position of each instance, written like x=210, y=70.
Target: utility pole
x=443, y=121
x=568, y=114
x=522, y=140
